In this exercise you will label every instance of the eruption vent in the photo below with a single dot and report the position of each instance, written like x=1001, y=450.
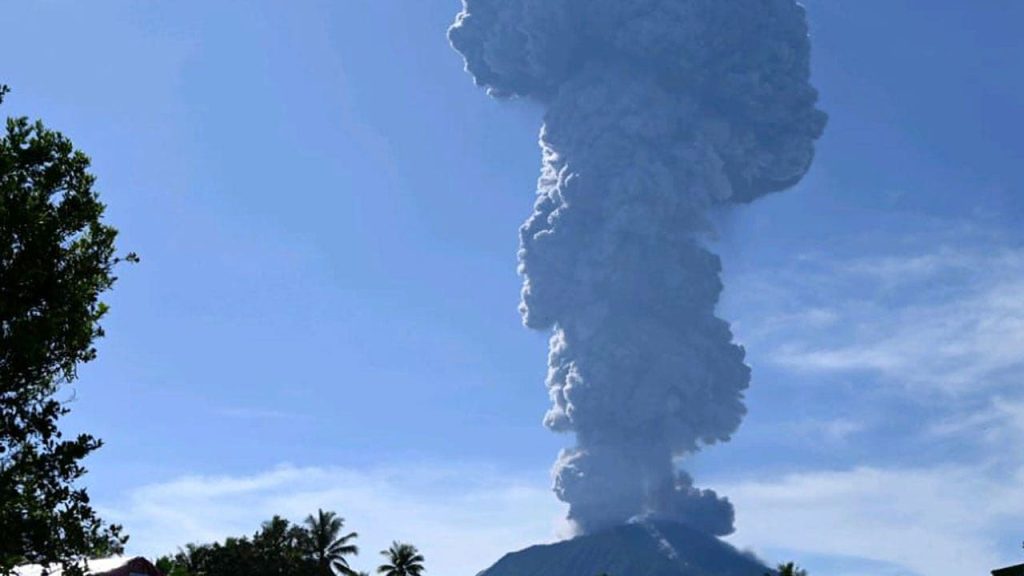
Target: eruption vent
x=656, y=111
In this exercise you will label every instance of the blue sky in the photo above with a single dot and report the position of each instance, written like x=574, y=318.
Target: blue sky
x=325, y=312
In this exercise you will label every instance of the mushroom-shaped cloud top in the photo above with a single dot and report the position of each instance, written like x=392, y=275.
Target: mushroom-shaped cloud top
x=747, y=62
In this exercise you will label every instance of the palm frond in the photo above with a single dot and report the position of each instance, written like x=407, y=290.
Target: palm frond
x=340, y=549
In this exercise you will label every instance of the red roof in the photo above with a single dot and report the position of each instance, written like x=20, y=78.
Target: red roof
x=137, y=565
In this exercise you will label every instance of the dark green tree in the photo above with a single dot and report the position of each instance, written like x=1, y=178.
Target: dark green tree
x=279, y=546
x=789, y=569
x=56, y=259
x=327, y=547
x=402, y=560
x=233, y=557
x=194, y=559
x=236, y=557
x=179, y=564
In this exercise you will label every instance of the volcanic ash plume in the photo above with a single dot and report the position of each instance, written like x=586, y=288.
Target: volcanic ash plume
x=657, y=110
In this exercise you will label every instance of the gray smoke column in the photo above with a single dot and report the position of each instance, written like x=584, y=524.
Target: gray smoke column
x=657, y=110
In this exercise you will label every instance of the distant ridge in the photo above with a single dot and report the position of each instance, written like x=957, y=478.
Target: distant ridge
x=641, y=549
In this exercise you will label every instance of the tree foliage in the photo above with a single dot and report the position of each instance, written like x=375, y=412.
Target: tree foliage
x=328, y=546
x=279, y=548
x=402, y=560
x=56, y=259
x=789, y=569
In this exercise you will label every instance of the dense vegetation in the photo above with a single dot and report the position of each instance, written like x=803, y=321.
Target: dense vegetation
x=790, y=569
x=56, y=259
x=319, y=546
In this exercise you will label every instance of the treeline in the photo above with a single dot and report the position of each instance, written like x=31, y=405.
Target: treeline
x=787, y=569
x=317, y=547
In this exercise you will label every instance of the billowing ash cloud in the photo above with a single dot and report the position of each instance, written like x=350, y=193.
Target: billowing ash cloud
x=656, y=111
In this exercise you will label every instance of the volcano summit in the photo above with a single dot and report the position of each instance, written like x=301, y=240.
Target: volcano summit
x=641, y=548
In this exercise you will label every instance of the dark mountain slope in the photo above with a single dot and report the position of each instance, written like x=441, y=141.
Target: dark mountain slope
x=640, y=549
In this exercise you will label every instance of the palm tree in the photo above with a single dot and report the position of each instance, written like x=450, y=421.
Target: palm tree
x=403, y=560
x=327, y=547
x=789, y=569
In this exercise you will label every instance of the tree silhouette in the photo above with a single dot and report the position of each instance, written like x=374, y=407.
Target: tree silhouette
x=327, y=547
x=403, y=560
x=56, y=259
x=788, y=569
x=279, y=548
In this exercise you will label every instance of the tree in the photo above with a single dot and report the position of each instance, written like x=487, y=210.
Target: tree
x=56, y=259
x=187, y=561
x=789, y=569
x=403, y=560
x=233, y=557
x=279, y=548
x=325, y=545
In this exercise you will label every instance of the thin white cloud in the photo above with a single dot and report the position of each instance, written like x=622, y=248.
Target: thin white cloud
x=949, y=321
x=942, y=326
x=999, y=423
x=831, y=432
x=940, y=521
x=838, y=430
x=954, y=346
x=900, y=270
x=462, y=518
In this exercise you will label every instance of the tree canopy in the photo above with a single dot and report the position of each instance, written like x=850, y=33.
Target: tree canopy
x=790, y=569
x=328, y=546
x=402, y=560
x=56, y=259
x=317, y=546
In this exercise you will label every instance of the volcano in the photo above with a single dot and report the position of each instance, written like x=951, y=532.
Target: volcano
x=647, y=548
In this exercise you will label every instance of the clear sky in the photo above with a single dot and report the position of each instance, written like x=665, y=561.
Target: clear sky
x=325, y=312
